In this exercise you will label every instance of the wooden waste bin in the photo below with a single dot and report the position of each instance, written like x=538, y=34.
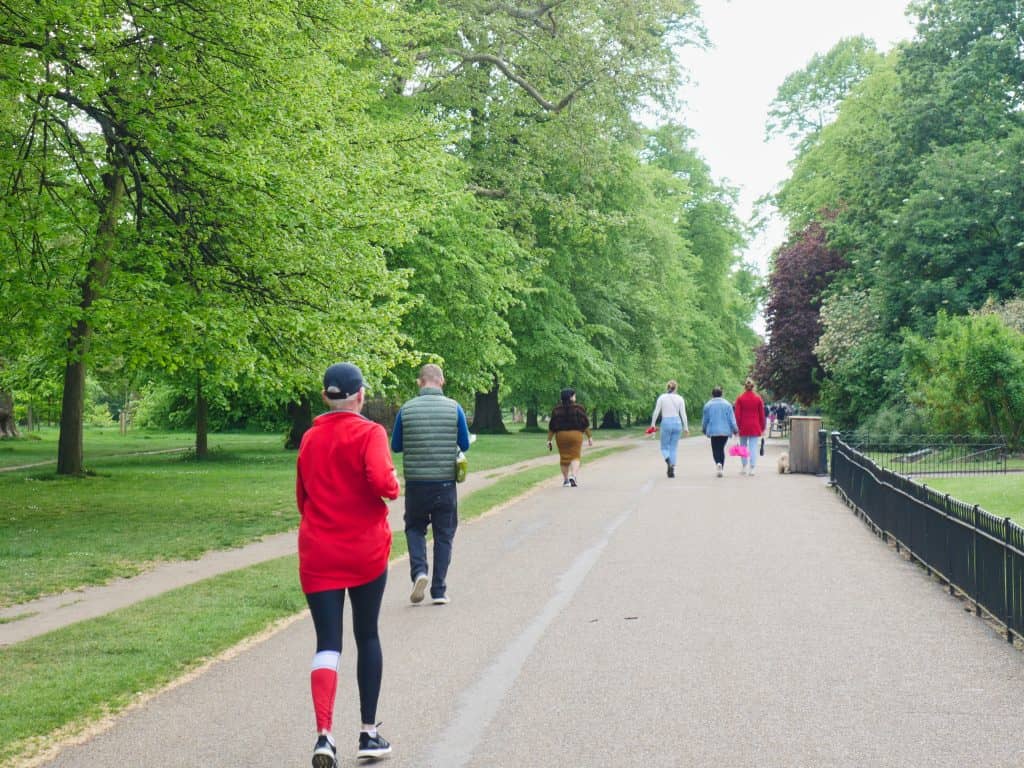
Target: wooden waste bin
x=803, y=444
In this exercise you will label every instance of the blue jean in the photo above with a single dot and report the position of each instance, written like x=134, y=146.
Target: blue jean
x=753, y=444
x=671, y=431
x=435, y=505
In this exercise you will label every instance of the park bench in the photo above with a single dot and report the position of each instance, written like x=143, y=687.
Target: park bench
x=913, y=456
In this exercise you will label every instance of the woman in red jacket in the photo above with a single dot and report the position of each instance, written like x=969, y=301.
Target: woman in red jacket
x=750, y=417
x=344, y=473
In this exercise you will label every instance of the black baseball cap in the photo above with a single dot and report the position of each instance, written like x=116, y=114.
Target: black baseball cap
x=342, y=380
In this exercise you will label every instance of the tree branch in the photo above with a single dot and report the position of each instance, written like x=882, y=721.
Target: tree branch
x=506, y=69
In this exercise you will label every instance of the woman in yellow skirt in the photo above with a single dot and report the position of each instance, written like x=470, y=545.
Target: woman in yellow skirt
x=568, y=425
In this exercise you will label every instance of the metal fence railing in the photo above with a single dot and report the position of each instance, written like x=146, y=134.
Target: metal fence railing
x=972, y=551
x=932, y=454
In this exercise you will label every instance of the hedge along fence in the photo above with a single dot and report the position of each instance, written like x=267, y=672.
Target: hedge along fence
x=971, y=550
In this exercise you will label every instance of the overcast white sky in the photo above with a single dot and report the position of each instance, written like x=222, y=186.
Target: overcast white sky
x=757, y=43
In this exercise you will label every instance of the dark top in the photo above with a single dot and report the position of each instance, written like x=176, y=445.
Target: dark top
x=572, y=416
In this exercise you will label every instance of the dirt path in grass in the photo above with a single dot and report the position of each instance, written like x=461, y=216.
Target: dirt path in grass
x=50, y=462
x=26, y=620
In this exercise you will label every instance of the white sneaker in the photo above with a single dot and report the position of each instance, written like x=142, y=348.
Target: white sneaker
x=743, y=469
x=750, y=473
x=719, y=468
x=443, y=600
x=419, y=588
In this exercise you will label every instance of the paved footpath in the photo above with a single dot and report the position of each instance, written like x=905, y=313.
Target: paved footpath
x=635, y=620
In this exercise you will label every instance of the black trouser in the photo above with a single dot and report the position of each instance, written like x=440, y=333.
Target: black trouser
x=327, y=608
x=435, y=505
x=718, y=448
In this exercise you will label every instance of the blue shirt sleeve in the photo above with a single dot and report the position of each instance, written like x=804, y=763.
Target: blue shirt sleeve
x=396, y=434
x=463, y=430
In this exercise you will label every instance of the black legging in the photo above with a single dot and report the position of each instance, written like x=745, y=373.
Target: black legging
x=327, y=608
x=718, y=448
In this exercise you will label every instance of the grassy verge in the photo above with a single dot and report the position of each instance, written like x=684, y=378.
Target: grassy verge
x=1002, y=495
x=85, y=671
x=62, y=533
x=68, y=678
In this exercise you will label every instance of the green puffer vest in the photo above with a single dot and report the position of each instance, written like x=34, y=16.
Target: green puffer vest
x=430, y=433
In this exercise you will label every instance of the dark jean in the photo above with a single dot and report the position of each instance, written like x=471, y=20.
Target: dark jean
x=435, y=505
x=718, y=448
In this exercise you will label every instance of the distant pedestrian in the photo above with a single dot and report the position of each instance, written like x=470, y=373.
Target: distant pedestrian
x=430, y=430
x=344, y=473
x=568, y=426
x=672, y=408
x=772, y=414
x=718, y=423
x=749, y=410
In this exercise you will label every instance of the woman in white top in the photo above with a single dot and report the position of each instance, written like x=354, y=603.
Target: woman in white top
x=672, y=409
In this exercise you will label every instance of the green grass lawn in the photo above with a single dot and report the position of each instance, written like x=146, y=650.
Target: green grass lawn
x=61, y=533
x=1002, y=495
x=65, y=679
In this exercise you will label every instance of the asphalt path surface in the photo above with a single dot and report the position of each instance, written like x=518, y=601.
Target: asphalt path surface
x=636, y=620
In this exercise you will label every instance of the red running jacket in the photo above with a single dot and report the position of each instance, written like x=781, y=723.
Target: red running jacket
x=749, y=410
x=343, y=470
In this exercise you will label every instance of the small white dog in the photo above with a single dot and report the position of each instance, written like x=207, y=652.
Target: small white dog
x=783, y=463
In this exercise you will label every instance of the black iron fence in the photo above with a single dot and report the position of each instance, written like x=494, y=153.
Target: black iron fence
x=932, y=454
x=972, y=551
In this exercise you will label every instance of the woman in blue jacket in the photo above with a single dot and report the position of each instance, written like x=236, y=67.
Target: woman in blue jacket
x=718, y=423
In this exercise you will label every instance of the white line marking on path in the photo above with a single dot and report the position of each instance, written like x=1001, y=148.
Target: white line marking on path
x=479, y=704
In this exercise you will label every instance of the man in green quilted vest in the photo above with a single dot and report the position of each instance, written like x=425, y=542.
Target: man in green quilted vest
x=430, y=430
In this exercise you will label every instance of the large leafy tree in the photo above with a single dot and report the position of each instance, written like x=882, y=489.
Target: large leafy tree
x=185, y=159
x=809, y=98
x=532, y=86
x=921, y=168
x=802, y=270
x=970, y=376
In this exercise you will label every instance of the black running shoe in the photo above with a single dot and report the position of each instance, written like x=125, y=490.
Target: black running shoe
x=324, y=753
x=572, y=481
x=373, y=746
x=671, y=471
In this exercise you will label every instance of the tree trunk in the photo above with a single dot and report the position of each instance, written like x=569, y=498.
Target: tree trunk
x=611, y=421
x=69, y=445
x=301, y=416
x=202, y=418
x=8, y=425
x=531, y=420
x=487, y=413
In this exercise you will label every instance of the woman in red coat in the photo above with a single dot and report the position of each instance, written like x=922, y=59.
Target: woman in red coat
x=750, y=417
x=344, y=473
